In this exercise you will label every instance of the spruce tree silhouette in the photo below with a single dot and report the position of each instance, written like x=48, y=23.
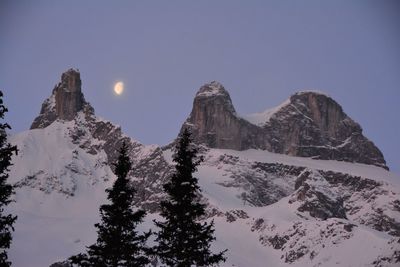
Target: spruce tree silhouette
x=183, y=240
x=118, y=241
x=6, y=190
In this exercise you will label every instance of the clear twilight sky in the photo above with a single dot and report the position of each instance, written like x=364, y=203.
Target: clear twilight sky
x=261, y=51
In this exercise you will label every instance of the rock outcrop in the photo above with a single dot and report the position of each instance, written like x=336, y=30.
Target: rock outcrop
x=314, y=125
x=65, y=102
x=95, y=136
x=309, y=124
x=316, y=197
x=214, y=121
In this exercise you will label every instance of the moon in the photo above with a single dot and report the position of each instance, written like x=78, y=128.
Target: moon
x=119, y=88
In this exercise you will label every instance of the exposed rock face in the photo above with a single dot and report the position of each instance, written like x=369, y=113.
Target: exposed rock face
x=214, y=122
x=314, y=125
x=149, y=168
x=65, y=102
x=304, y=239
x=317, y=197
x=361, y=194
x=260, y=184
x=309, y=124
x=95, y=135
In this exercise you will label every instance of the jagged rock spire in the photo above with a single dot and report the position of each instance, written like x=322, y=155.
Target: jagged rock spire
x=65, y=102
x=68, y=94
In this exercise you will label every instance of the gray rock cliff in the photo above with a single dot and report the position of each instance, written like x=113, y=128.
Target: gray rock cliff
x=309, y=124
x=314, y=125
x=65, y=102
x=214, y=122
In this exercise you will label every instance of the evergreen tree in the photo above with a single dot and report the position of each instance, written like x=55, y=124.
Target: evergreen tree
x=118, y=242
x=6, y=190
x=183, y=240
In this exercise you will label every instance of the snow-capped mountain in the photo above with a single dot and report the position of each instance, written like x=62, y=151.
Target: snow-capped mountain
x=298, y=185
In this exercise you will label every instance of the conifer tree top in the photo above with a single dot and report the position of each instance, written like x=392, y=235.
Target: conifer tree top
x=118, y=242
x=184, y=240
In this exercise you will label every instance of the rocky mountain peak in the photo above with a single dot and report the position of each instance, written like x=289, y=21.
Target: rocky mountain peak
x=213, y=88
x=322, y=109
x=214, y=94
x=68, y=95
x=65, y=102
x=214, y=122
x=315, y=125
x=71, y=81
x=308, y=124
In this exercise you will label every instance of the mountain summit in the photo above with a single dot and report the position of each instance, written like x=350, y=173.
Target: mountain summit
x=214, y=122
x=65, y=102
x=269, y=209
x=312, y=124
x=308, y=124
x=67, y=113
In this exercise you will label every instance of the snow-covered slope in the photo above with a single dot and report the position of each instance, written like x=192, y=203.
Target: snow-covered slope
x=60, y=176
x=261, y=118
x=58, y=190
x=323, y=213
x=269, y=209
x=252, y=196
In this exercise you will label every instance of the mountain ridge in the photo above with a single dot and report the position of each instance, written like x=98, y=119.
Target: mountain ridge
x=308, y=124
x=268, y=207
